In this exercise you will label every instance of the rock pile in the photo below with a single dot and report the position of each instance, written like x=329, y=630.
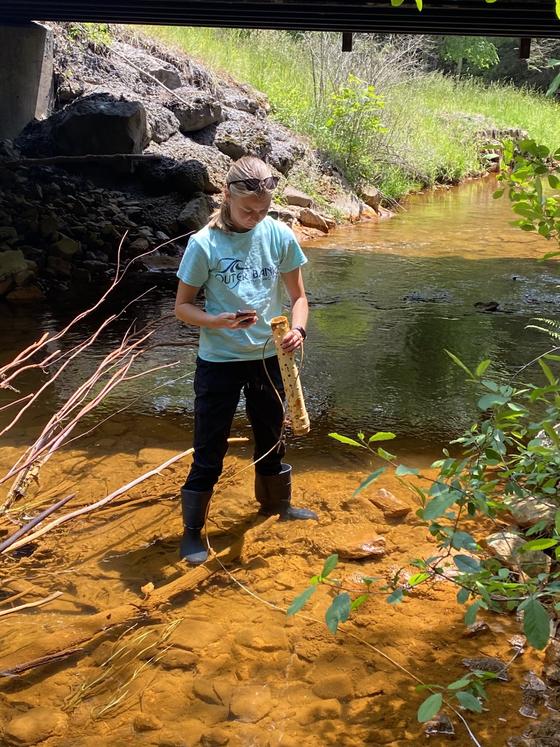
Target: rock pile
x=140, y=140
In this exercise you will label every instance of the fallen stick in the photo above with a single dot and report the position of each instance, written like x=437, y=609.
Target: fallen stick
x=68, y=639
x=98, y=504
x=33, y=523
x=37, y=603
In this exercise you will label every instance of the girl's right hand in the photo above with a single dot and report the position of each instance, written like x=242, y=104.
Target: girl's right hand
x=230, y=320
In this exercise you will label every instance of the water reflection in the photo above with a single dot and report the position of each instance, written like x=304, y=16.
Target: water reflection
x=386, y=299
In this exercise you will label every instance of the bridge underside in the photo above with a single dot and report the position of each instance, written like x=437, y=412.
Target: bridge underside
x=531, y=18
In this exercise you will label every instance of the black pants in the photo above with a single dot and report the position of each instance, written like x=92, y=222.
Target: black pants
x=217, y=388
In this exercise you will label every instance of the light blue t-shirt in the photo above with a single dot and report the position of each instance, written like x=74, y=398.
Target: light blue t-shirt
x=240, y=271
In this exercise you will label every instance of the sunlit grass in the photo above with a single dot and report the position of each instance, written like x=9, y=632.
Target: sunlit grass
x=427, y=142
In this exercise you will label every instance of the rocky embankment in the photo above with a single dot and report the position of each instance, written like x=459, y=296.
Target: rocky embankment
x=139, y=140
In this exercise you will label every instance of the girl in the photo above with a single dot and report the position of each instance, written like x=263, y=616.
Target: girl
x=240, y=259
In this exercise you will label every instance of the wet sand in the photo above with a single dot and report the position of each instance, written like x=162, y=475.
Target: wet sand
x=234, y=671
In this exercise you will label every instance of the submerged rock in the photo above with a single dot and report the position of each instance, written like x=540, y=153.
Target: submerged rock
x=488, y=664
x=534, y=693
x=441, y=726
x=250, y=703
x=146, y=722
x=359, y=544
x=337, y=686
x=391, y=506
x=35, y=725
x=543, y=734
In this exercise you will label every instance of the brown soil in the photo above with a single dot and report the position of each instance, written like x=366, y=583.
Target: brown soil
x=238, y=672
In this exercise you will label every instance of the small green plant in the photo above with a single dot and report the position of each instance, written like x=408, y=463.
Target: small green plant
x=527, y=170
x=354, y=122
x=97, y=34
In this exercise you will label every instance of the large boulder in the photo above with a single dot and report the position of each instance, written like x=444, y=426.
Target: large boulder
x=243, y=135
x=195, y=214
x=245, y=99
x=152, y=66
x=162, y=123
x=371, y=196
x=313, y=219
x=294, y=197
x=195, y=109
x=506, y=546
x=100, y=125
x=185, y=166
x=285, y=148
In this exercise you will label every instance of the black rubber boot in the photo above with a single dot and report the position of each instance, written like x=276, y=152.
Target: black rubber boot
x=194, y=504
x=274, y=493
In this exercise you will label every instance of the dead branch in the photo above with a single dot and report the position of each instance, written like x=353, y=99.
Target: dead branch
x=37, y=603
x=68, y=640
x=33, y=523
x=104, y=501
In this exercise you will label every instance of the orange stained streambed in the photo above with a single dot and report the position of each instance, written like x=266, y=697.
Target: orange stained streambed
x=223, y=664
x=220, y=665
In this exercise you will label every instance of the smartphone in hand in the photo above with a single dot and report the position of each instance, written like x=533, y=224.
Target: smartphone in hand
x=246, y=316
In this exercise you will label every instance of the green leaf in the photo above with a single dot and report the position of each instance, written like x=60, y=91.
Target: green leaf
x=330, y=565
x=359, y=601
x=438, y=506
x=385, y=454
x=460, y=363
x=548, y=372
x=459, y=684
x=557, y=522
x=482, y=366
x=536, y=624
x=463, y=596
x=472, y=610
x=467, y=700
x=498, y=193
x=538, y=544
x=396, y=597
x=419, y=5
x=466, y=564
x=403, y=470
x=298, y=602
x=369, y=479
x=430, y=707
x=346, y=440
x=491, y=400
x=381, y=436
x=463, y=540
x=338, y=612
x=417, y=578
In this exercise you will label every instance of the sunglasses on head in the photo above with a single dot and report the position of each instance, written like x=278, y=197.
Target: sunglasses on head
x=252, y=185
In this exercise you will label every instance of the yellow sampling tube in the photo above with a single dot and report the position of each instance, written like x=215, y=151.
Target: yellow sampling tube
x=290, y=377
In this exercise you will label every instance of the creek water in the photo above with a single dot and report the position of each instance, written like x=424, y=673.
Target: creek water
x=386, y=299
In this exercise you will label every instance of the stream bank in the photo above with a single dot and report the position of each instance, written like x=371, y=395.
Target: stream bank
x=138, y=142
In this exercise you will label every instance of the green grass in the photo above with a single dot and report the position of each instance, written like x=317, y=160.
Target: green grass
x=426, y=142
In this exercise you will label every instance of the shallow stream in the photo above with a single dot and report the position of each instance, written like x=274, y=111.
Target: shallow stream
x=386, y=300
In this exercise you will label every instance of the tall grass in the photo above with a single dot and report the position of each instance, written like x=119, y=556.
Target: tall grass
x=427, y=140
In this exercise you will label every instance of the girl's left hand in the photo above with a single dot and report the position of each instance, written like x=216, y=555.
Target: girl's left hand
x=292, y=341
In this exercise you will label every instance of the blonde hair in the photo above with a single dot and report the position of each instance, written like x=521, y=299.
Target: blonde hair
x=248, y=167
